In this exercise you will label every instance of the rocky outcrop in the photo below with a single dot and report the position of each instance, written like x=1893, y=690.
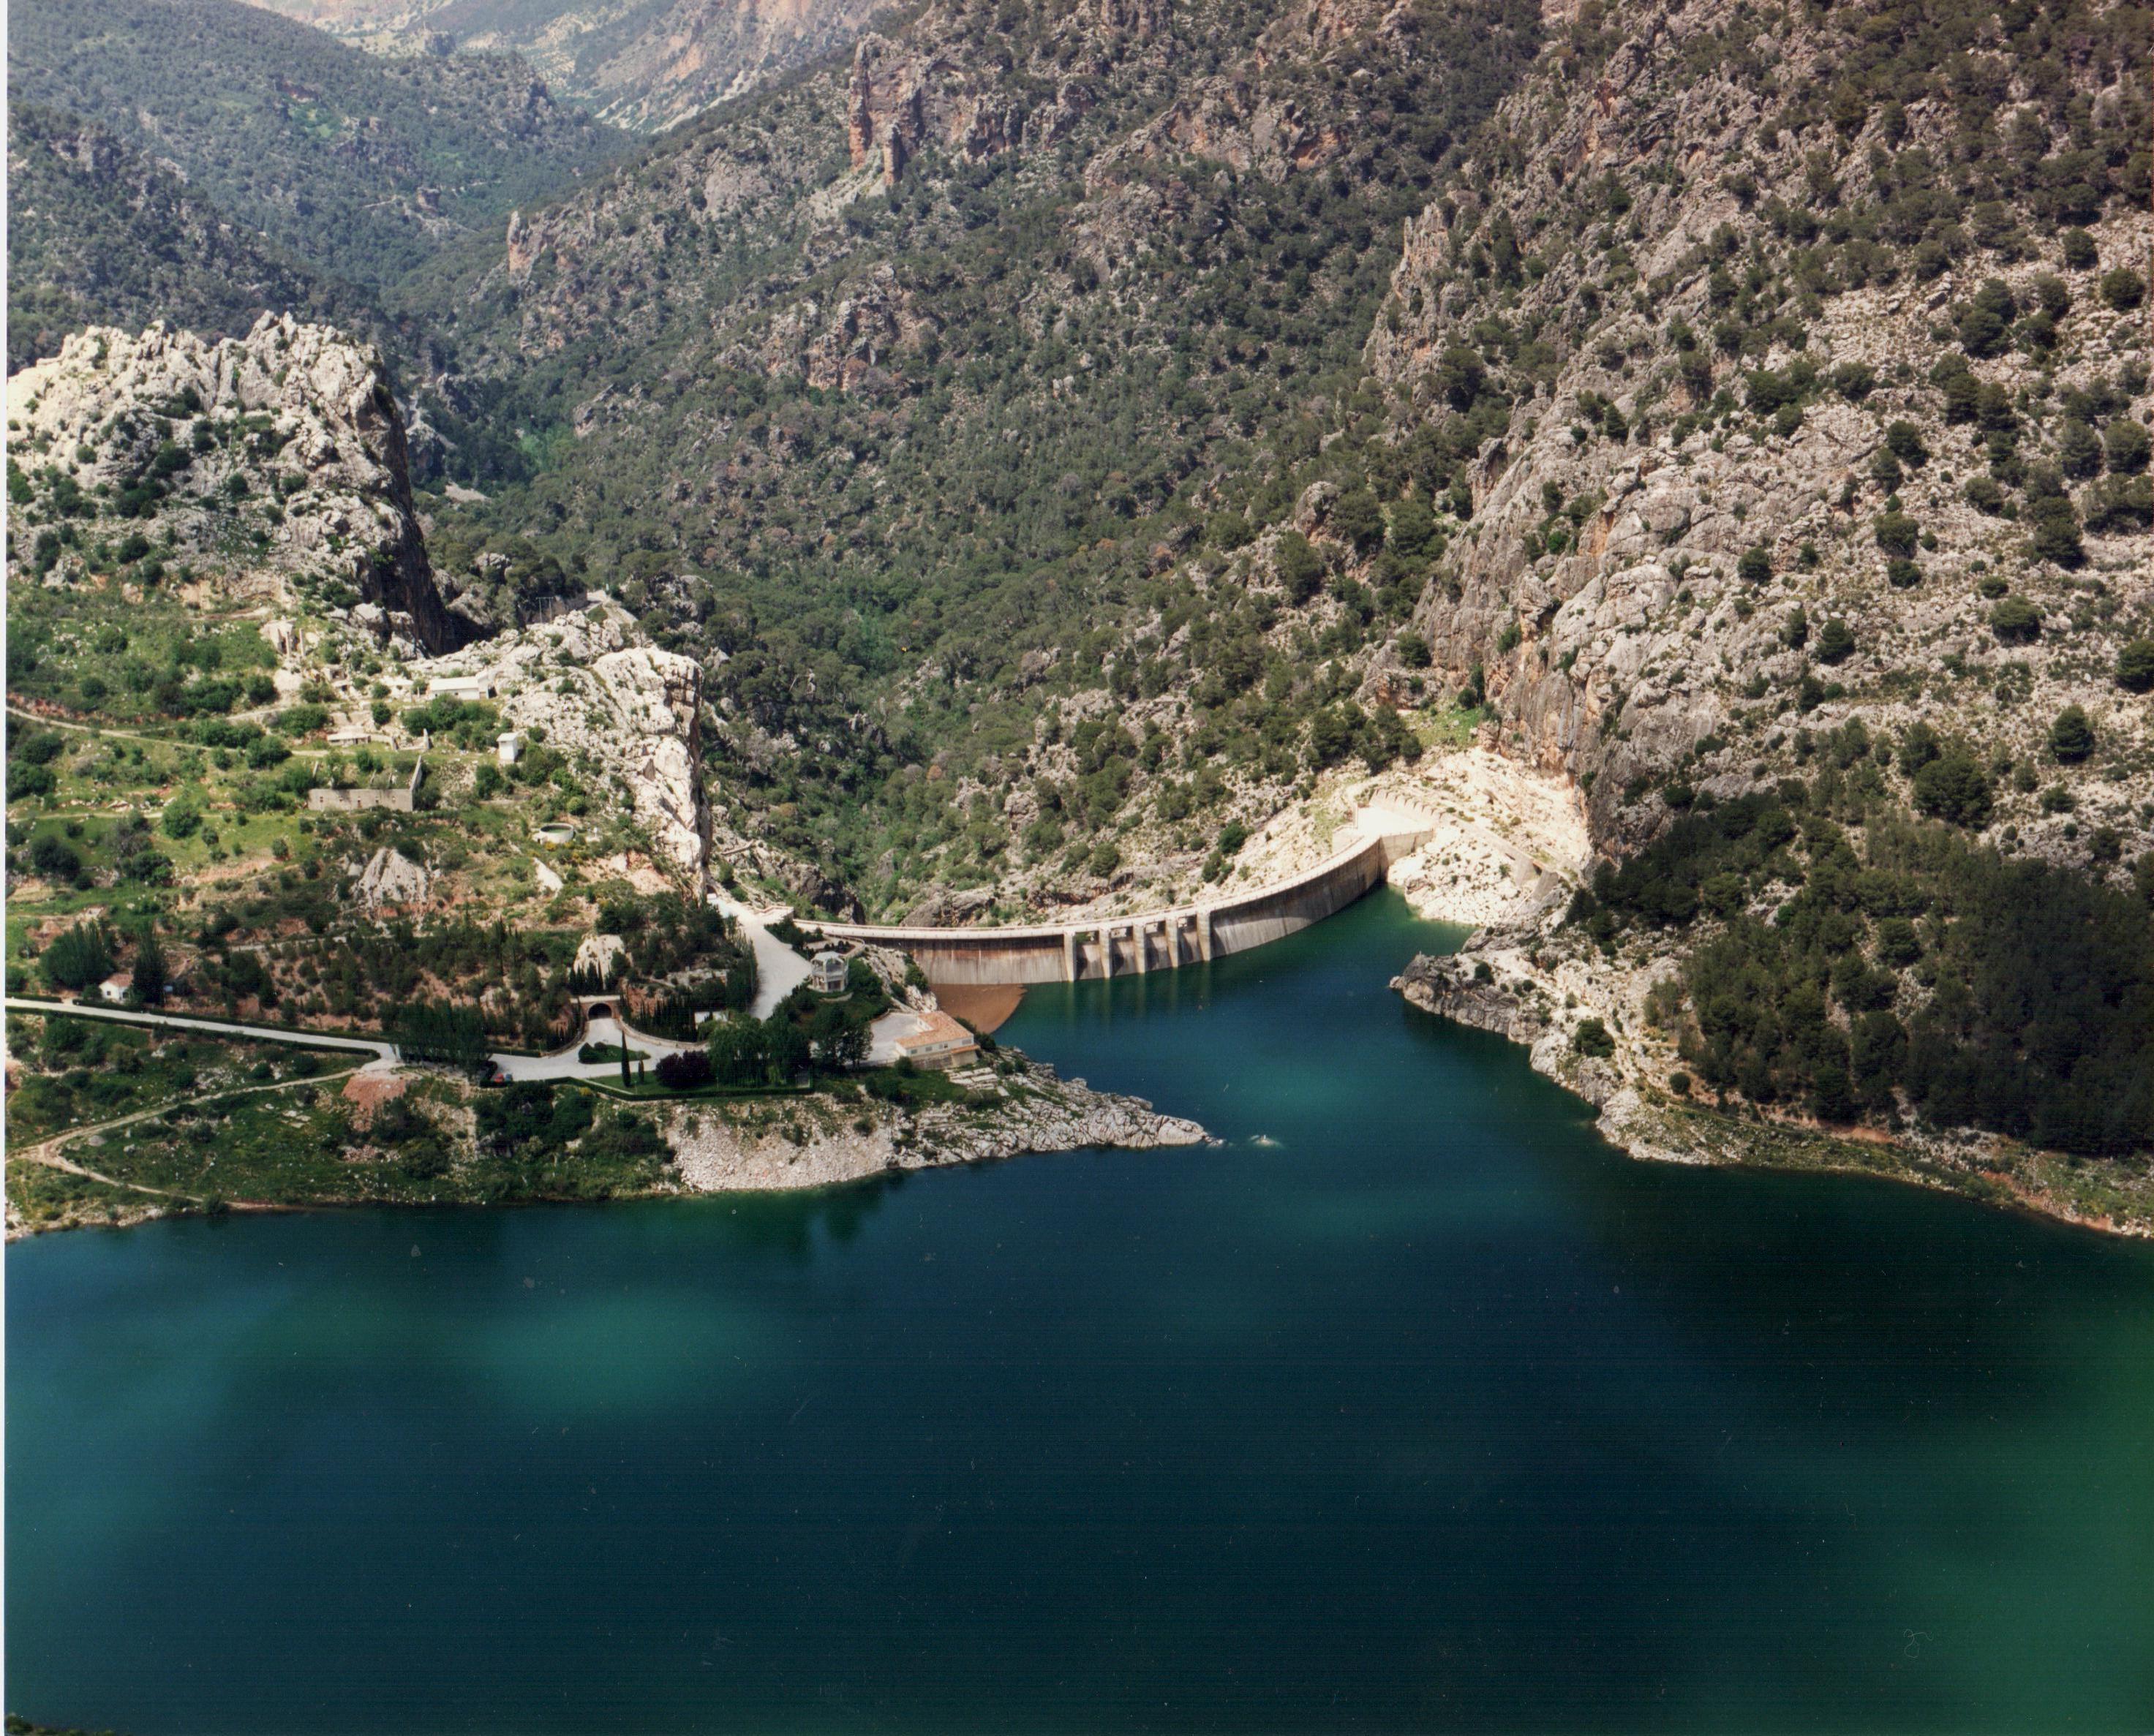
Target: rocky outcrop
x=585, y=685
x=674, y=59
x=902, y=94
x=389, y=877
x=807, y=1143
x=600, y=957
x=1601, y=587
x=1464, y=990
x=264, y=461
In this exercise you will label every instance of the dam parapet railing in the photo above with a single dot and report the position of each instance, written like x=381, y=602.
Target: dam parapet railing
x=1108, y=946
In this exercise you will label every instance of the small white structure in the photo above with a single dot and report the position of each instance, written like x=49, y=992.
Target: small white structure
x=116, y=987
x=460, y=687
x=508, y=749
x=349, y=736
x=826, y=974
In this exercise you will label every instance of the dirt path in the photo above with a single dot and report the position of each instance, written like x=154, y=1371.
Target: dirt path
x=47, y=1151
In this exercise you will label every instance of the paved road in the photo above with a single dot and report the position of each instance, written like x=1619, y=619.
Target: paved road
x=562, y=1064
x=778, y=970
x=212, y=1027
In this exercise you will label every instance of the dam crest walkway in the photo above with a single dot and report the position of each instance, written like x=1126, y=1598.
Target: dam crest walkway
x=1107, y=946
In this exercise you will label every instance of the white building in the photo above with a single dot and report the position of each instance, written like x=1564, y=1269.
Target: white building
x=508, y=749
x=460, y=687
x=826, y=973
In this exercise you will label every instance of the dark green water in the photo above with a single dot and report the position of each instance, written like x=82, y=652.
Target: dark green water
x=1427, y=1412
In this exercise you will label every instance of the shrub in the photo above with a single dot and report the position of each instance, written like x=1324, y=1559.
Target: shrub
x=1917, y=748
x=2056, y=534
x=79, y=958
x=40, y=747
x=1904, y=440
x=2120, y=504
x=1592, y=1039
x=1983, y=321
x=2016, y=621
x=2125, y=444
x=1299, y=567
x=1952, y=787
x=1902, y=574
x=2071, y=736
x=1460, y=377
x=1412, y=650
x=1357, y=519
x=1755, y=567
x=54, y=859
x=1984, y=495
x=1836, y=643
x=2081, y=254
x=2123, y=289
x=1896, y=533
x=2135, y=666
x=1963, y=395
x=2079, y=451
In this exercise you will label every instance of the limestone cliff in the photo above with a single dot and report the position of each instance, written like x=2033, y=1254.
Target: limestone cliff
x=1727, y=432
x=588, y=685
x=250, y=463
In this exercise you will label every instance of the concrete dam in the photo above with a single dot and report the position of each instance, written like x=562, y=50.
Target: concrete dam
x=1108, y=946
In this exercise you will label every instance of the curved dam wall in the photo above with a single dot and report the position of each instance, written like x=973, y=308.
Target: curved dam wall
x=1156, y=940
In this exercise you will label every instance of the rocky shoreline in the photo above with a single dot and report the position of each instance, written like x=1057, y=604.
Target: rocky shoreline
x=769, y=1148
x=1495, y=985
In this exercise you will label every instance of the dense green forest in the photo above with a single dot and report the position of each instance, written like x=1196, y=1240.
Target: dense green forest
x=100, y=235
x=2032, y=1010
x=354, y=165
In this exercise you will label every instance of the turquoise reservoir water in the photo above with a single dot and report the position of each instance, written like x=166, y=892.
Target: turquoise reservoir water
x=1413, y=1407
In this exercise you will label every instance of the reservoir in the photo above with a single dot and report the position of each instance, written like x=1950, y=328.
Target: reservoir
x=1410, y=1406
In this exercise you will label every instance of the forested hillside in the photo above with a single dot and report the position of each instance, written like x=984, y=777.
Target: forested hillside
x=357, y=167
x=644, y=64
x=912, y=385
x=100, y=235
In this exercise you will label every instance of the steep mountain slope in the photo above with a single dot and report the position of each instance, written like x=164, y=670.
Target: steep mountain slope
x=358, y=167
x=649, y=65
x=646, y=65
x=906, y=383
x=1815, y=545
x=244, y=466
x=98, y=234
x=1753, y=429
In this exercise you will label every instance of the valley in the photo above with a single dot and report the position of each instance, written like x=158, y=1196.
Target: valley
x=1023, y=865
x=1049, y=469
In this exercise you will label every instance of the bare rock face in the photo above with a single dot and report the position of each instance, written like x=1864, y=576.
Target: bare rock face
x=1652, y=557
x=268, y=459
x=391, y=878
x=945, y=908
x=583, y=686
x=601, y=956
